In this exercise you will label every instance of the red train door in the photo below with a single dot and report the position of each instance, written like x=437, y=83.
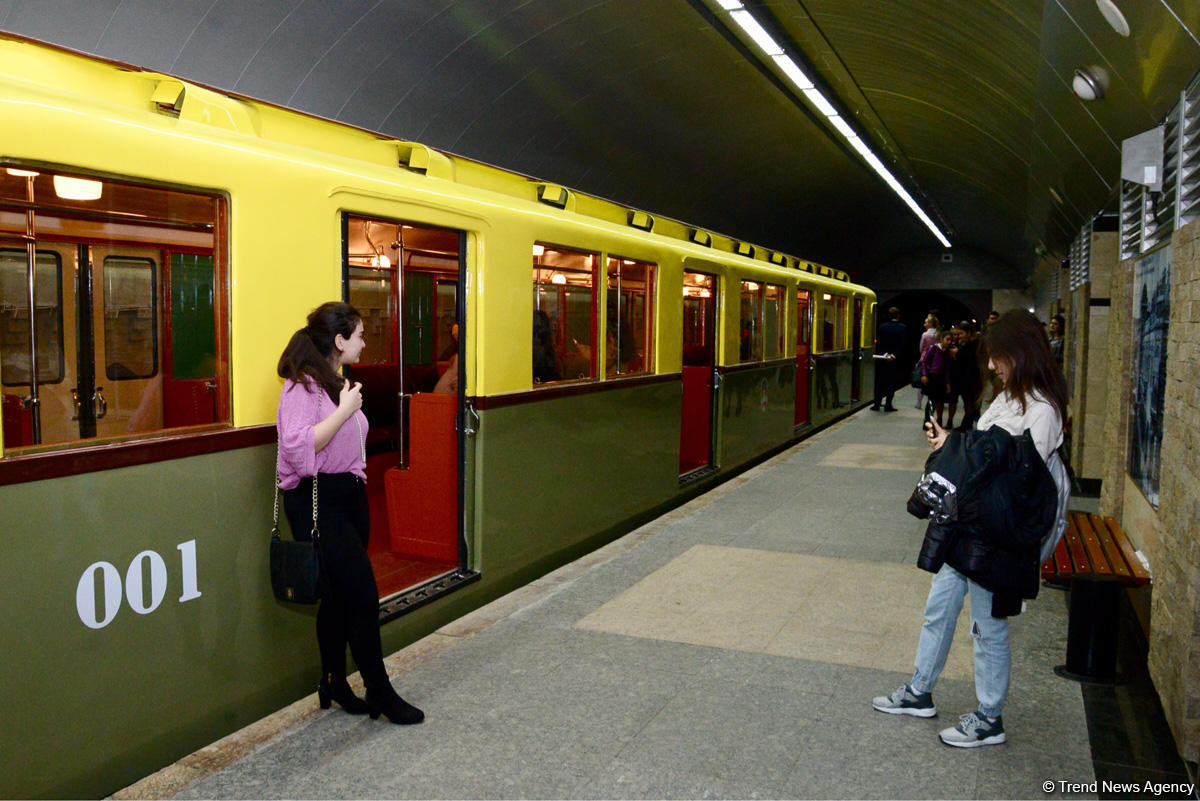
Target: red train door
x=699, y=362
x=856, y=335
x=803, y=346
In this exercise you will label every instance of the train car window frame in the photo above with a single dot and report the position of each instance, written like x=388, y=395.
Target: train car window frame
x=549, y=358
x=752, y=338
x=55, y=377
x=148, y=404
x=109, y=332
x=614, y=367
x=833, y=310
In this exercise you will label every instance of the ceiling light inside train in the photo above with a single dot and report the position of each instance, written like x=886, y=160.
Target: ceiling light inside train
x=14, y=172
x=381, y=262
x=558, y=278
x=77, y=188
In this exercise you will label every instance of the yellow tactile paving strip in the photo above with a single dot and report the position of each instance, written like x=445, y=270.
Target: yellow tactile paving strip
x=839, y=611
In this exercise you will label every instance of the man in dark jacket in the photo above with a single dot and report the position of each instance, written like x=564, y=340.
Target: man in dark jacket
x=890, y=346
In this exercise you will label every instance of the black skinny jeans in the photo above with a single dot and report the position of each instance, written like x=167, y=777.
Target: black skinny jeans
x=350, y=612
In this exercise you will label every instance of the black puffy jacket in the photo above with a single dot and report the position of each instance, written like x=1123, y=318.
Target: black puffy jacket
x=990, y=529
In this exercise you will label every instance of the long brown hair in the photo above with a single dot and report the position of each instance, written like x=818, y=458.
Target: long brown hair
x=306, y=357
x=1019, y=339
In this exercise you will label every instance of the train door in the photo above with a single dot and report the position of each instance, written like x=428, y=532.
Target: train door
x=856, y=336
x=699, y=371
x=803, y=350
x=404, y=279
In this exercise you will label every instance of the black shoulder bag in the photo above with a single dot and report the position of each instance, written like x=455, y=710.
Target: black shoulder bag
x=296, y=574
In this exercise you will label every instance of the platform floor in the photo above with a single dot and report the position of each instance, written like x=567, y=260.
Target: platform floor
x=729, y=649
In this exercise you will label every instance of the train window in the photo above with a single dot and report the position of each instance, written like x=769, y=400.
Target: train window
x=130, y=319
x=130, y=313
x=14, y=317
x=372, y=290
x=564, y=314
x=834, y=330
x=750, y=330
x=699, y=290
x=773, y=321
x=629, y=328
x=762, y=321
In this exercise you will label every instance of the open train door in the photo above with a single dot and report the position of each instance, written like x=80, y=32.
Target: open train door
x=405, y=280
x=803, y=354
x=699, y=373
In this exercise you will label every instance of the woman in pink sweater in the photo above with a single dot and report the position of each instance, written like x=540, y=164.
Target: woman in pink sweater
x=322, y=435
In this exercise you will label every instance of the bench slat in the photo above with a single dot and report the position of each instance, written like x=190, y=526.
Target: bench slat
x=1115, y=558
x=1059, y=562
x=1079, y=558
x=1091, y=543
x=1138, y=573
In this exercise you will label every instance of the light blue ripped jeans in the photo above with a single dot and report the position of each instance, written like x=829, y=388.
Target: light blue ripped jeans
x=992, y=655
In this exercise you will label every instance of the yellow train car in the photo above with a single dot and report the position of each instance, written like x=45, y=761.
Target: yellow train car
x=544, y=370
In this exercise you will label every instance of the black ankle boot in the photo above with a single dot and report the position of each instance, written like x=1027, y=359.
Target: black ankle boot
x=394, y=708
x=329, y=690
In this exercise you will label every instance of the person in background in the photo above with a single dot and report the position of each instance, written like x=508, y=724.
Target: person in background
x=889, y=344
x=448, y=382
x=993, y=381
x=956, y=368
x=992, y=317
x=929, y=336
x=970, y=374
x=935, y=374
x=1034, y=399
x=545, y=359
x=1058, y=326
x=322, y=434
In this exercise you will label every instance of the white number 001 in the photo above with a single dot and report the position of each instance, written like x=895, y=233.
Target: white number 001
x=110, y=577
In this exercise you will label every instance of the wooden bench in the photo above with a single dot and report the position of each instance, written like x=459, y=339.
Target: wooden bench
x=1096, y=557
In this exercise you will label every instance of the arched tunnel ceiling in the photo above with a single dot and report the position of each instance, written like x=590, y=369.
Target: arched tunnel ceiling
x=659, y=104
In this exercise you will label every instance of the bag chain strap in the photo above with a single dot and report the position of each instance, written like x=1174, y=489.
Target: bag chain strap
x=362, y=446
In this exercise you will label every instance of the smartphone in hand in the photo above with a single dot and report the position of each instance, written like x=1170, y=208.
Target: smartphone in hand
x=928, y=414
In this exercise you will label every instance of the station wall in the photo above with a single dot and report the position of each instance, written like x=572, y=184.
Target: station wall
x=1170, y=534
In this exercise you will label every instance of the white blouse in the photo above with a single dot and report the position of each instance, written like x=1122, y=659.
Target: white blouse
x=1040, y=417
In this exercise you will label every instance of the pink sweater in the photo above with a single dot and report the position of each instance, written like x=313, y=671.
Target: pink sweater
x=299, y=412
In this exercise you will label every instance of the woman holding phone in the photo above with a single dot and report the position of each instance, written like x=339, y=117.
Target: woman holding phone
x=1033, y=398
x=322, y=435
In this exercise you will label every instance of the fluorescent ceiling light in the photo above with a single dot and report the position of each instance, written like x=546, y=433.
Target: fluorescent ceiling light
x=817, y=99
x=797, y=76
x=795, y=73
x=842, y=126
x=77, y=188
x=756, y=32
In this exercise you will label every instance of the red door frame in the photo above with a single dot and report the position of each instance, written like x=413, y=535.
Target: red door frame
x=699, y=393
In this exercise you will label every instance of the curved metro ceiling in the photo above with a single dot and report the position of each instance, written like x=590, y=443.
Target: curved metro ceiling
x=662, y=105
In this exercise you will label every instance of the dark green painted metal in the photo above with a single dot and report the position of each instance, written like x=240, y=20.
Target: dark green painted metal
x=193, y=338
x=418, y=318
x=553, y=473
x=830, y=389
x=757, y=411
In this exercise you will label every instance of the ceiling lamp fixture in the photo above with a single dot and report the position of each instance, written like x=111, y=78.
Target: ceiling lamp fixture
x=379, y=259
x=14, y=172
x=746, y=21
x=1089, y=83
x=558, y=279
x=1112, y=14
x=77, y=188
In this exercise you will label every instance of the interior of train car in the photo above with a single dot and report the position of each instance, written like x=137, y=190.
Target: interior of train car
x=127, y=329
x=404, y=279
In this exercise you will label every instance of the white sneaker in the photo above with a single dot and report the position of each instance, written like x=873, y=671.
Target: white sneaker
x=904, y=701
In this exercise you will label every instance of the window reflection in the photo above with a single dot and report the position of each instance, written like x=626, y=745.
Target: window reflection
x=629, y=330
x=564, y=312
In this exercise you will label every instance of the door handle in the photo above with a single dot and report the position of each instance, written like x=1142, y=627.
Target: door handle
x=99, y=404
x=210, y=386
x=75, y=402
x=470, y=419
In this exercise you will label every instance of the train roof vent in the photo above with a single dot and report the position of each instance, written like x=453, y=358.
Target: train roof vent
x=640, y=219
x=168, y=96
x=423, y=160
x=843, y=277
x=554, y=195
x=744, y=249
x=700, y=237
x=826, y=271
x=806, y=266
x=778, y=258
